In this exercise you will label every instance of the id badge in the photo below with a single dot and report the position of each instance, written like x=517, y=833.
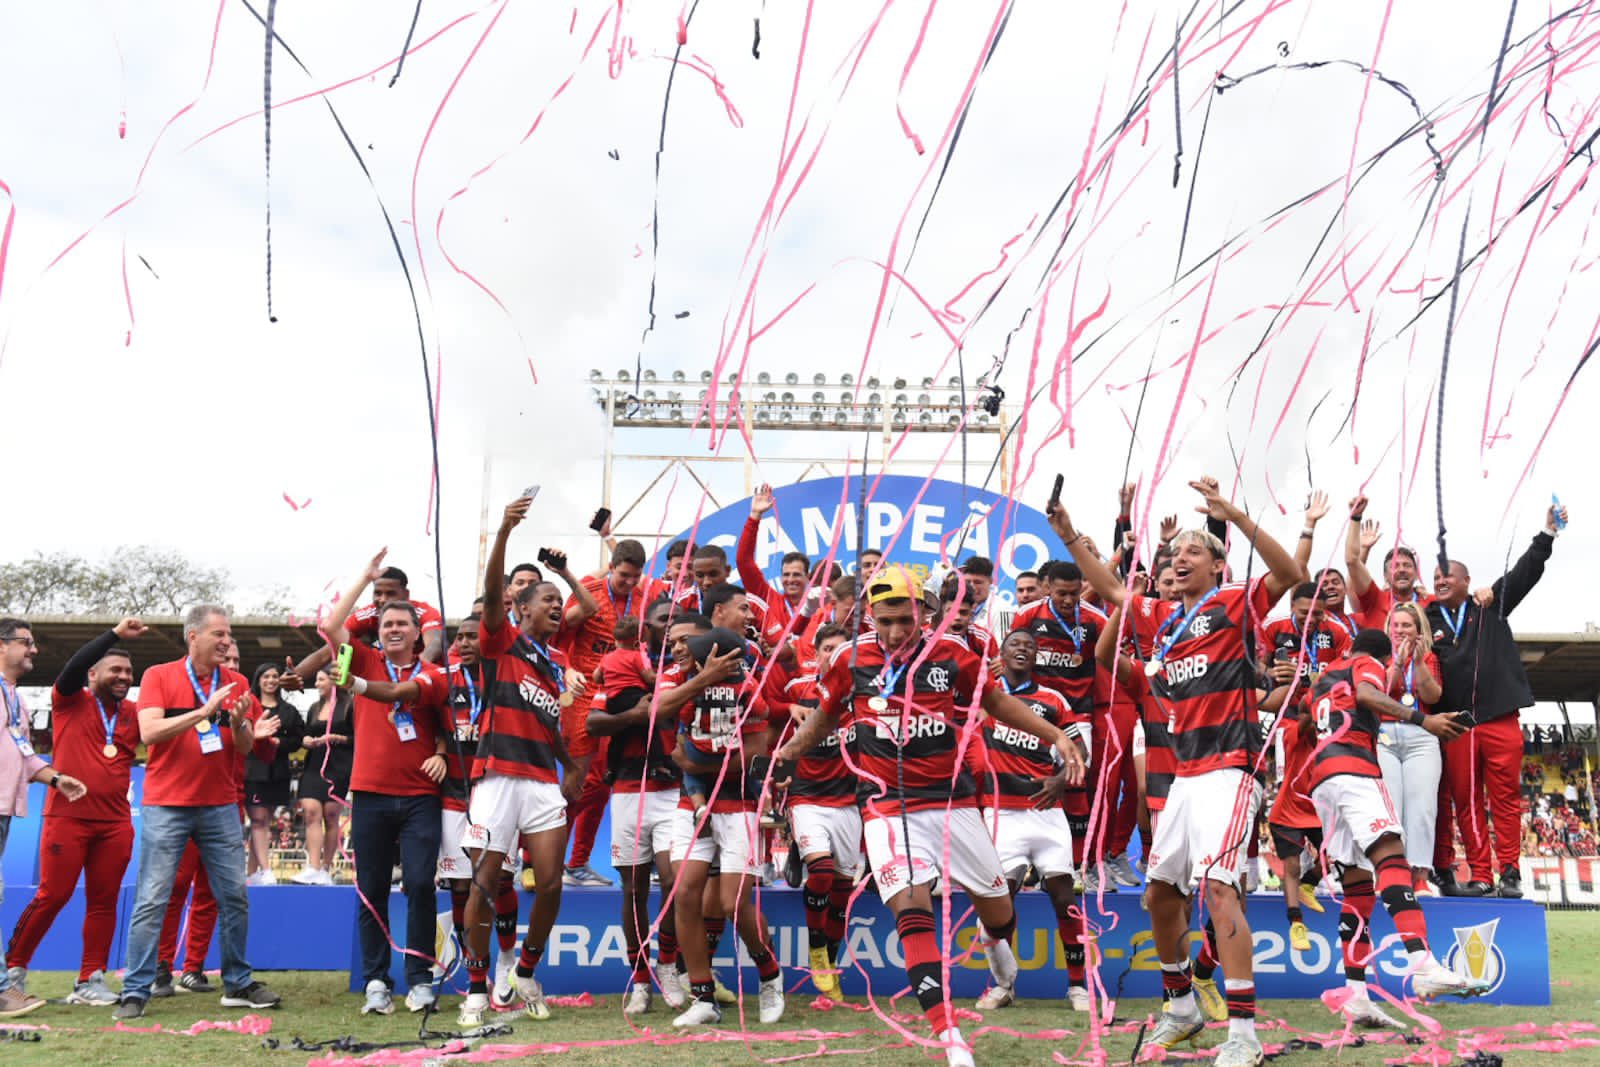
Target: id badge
x=24, y=745
x=405, y=726
x=211, y=741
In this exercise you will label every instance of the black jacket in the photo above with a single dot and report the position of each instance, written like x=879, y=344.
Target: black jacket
x=290, y=731
x=1482, y=668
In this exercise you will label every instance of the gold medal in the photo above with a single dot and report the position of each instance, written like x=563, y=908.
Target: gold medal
x=1408, y=700
x=878, y=704
x=202, y=726
x=1153, y=668
x=109, y=752
x=566, y=698
x=1074, y=661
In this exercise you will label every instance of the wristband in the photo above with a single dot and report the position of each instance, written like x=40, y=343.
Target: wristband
x=1417, y=718
x=1308, y=533
x=359, y=686
x=54, y=782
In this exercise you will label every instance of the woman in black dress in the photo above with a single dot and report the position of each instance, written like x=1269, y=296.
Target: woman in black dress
x=325, y=782
x=266, y=782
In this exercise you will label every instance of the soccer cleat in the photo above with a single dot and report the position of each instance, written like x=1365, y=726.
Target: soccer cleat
x=378, y=1001
x=585, y=875
x=1002, y=962
x=254, y=995
x=1433, y=979
x=1209, y=997
x=996, y=996
x=723, y=994
x=93, y=991
x=505, y=986
x=674, y=986
x=1511, y=882
x=771, y=1000
x=1308, y=897
x=1173, y=1030
x=527, y=879
x=1078, y=998
x=473, y=1009
x=823, y=975
x=128, y=1008
x=17, y=978
x=1299, y=937
x=699, y=1013
x=162, y=986
x=195, y=982
x=1240, y=1052
x=421, y=997
x=1361, y=1011
x=637, y=1002
x=532, y=994
x=957, y=1052
x=1121, y=870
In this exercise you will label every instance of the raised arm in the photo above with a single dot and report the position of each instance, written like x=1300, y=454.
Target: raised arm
x=75, y=674
x=1101, y=578
x=1284, y=573
x=334, y=627
x=494, y=571
x=1316, y=508
x=1358, y=577
x=1524, y=574
x=755, y=583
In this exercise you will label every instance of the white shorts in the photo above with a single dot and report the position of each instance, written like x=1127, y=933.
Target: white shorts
x=1355, y=812
x=1024, y=836
x=837, y=831
x=734, y=842
x=973, y=863
x=505, y=807
x=637, y=835
x=454, y=863
x=1205, y=829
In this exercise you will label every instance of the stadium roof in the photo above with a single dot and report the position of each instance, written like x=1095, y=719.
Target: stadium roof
x=1561, y=667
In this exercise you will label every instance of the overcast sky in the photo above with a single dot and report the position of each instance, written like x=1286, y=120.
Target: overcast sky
x=149, y=400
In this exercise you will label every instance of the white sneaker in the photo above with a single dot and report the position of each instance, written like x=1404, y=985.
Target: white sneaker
x=1240, y=1052
x=421, y=997
x=261, y=877
x=958, y=1053
x=505, y=986
x=378, y=1002
x=996, y=996
x=1433, y=979
x=1078, y=998
x=1002, y=962
x=474, y=1008
x=1361, y=1011
x=307, y=876
x=674, y=987
x=771, y=999
x=532, y=994
x=638, y=999
x=699, y=1013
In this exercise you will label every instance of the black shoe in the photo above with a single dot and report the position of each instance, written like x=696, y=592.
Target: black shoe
x=1445, y=879
x=1511, y=883
x=254, y=995
x=794, y=869
x=1473, y=889
x=195, y=982
x=162, y=987
x=132, y=1007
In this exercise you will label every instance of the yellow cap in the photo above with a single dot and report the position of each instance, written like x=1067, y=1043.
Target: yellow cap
x=893, y=583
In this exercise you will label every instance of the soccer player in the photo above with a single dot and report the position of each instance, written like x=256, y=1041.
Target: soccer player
x=1203, y=674
x=1027, y=588
x=1306, y=638
x=1293, y=823
x=1022, y=794
x=904, y=699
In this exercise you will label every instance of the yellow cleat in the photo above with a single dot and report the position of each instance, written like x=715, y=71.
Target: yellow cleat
x=1299, y=937
x=1308, y=897
x=1209, y=997
x=823, y=975
x=526, y=878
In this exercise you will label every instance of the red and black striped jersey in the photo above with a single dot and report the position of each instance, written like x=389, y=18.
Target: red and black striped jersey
x=517, y=734
x=640, y=757
x=1206, y=681
x=979, y=641
x=1323, y=644
x=1065, y=661
x=1293, y=806
x=1347, y=734
x=910, y=752
x=716, y=724
x=1017, y=762
x=821, y=776
x=465, y=705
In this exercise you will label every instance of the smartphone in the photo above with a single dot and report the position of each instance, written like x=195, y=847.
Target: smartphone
x=1560, y=523
x=553, y=558
x=601, y=517
x=341, y=667
x=531, y=492
x=1055, y=491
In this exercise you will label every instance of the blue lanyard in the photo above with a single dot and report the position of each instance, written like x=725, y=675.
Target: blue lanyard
x=550, y=663
x=1073, y=630
x=108, y=721
x=1411, y=672
x=474, y=702
x=627, y=606
x=1025, y=687
x=200, y=694
x=892, y=676
x=13, y=707
x=394, y=676
x=1456, y=623
x=1311, y=649
x=1183, y=625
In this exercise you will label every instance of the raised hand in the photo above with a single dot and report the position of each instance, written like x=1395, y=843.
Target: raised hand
x=1125, y=498
x=1214, y=504
x=761, y=502
x=1170, y=528
x=1358, y=507
x=1316, y=507
x=130, y=628
x=1371, y=531
x=515, y=512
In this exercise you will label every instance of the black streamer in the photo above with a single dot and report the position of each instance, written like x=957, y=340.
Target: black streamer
x=401, y=65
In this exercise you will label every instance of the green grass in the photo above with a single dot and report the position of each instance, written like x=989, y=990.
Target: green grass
x=319, y=1009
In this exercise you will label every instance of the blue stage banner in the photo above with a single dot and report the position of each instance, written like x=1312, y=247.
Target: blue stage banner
x=1502, y=942
x=911, y=520
x=20, y=864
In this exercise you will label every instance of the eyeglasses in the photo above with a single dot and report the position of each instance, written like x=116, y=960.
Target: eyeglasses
x=27, y=641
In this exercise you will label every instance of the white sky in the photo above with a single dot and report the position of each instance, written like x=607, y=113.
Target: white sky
x=190, y=434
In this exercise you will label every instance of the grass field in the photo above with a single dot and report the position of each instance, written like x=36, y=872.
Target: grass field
x=319, y=1010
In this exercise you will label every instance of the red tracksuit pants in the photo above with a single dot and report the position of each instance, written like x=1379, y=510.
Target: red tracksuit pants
x=1485, y=762
x=97, y=849
x=202, y=915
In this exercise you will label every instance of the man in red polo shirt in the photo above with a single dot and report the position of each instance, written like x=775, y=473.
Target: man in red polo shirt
x=785, y=606
x=1399, y=570
x=587, y=635
x=195, y=720
x=96, y=730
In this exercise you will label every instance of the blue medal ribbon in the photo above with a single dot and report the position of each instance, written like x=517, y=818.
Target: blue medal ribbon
x=1183, y=625
x=108, y=721
x=200, y=694
x=398, y=709
x=1073, y=630
x=1456, y=622
x=474, y=701
x=543, y=652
